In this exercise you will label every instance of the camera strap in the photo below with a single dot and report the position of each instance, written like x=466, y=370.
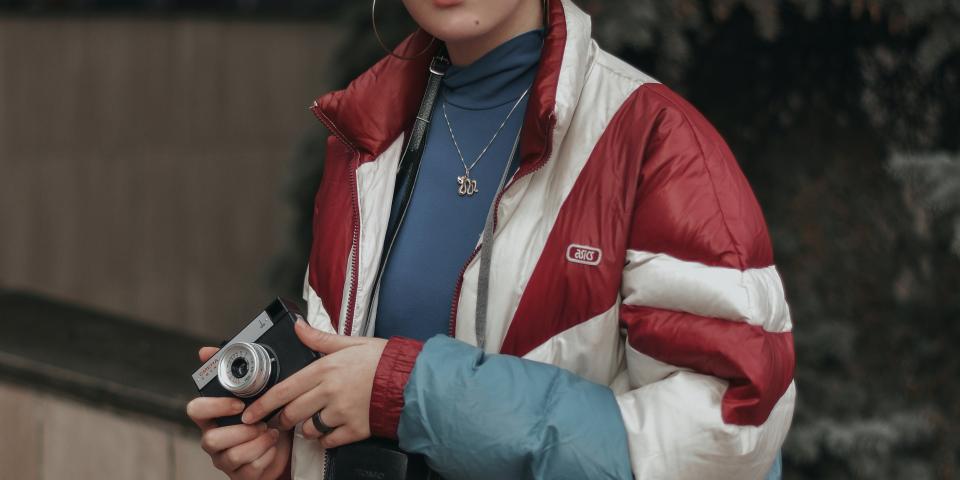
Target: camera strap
x=376, y=458
x=409, y=167
x=410, y=161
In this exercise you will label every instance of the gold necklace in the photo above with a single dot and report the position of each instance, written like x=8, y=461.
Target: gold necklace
x=466, y=186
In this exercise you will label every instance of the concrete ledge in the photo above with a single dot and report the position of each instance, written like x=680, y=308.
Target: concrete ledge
x=95, y=357
x=48, y=437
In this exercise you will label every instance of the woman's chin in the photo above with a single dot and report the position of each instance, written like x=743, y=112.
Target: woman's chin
x=457, y=30
x=459, y=20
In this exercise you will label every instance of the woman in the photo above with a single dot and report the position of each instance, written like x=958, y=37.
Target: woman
x=625, y=271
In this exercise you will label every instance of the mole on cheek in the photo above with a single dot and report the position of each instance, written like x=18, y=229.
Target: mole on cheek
x=476, y=22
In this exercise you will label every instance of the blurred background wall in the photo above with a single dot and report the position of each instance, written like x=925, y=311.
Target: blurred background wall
x=157, y=162
x=47, y=436
x=143, y=159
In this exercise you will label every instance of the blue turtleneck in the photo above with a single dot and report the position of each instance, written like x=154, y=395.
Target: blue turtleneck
x=441, y=228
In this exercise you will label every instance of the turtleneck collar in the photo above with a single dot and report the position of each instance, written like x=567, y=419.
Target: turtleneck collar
x=498, y=77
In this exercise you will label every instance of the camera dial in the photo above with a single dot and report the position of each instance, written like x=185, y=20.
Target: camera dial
x=245, y=369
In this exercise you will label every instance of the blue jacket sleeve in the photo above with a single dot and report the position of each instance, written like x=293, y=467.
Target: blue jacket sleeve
x=480, y=416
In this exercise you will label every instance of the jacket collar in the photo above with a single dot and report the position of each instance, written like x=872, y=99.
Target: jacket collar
x=381, y=102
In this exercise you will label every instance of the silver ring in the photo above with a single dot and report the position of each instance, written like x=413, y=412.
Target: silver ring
x=321, y=427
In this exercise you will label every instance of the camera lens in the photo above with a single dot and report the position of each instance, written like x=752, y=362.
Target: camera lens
x=239, y=368
x=245, y=369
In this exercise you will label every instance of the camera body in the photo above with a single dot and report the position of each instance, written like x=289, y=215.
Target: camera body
x=264, y=353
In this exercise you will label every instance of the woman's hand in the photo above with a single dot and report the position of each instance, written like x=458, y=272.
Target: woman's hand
x=339, y=384
x=243, y=452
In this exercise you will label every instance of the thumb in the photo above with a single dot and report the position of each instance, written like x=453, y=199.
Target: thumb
x=322, y=342
x=206, y=352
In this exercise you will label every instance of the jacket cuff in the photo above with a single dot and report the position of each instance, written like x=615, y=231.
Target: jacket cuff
x=393, y=371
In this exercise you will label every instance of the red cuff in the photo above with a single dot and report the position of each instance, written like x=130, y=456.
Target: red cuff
x=393, y=371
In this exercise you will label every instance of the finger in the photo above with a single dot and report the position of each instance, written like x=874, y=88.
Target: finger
x=216, y=440
x=282, y=393
x=329, y=419
x=206, y=352
x=339, y=437
x=233, y=458
x=303, y=407
x=323, y=342
x=204, y=409
x=309, y=431
x=254, y=469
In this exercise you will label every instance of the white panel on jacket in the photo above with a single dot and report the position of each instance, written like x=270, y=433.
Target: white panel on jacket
x=317, y=316
x=754, y=295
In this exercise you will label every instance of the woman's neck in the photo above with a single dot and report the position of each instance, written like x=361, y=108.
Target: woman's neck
x=529, y=16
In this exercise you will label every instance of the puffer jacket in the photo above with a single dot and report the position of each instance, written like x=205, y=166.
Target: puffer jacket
x=632, y=283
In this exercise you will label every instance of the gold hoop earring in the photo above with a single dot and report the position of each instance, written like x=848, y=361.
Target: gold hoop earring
x=376, y=33
x=546, y=14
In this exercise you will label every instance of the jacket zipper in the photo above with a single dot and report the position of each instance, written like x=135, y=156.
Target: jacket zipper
x=452, y=329
x=354, y=270
x=355, y=245
x=389, y=247
x=325, y=474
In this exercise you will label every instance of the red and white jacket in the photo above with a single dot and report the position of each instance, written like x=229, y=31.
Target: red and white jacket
x=630, y=250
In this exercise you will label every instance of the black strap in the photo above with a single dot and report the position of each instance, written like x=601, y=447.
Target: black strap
x=376, y=458
x=438, y=68
x=410, y=161
x=379, y=457
x=410, y=164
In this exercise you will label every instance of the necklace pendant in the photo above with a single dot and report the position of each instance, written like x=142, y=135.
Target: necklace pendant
x=468, y=186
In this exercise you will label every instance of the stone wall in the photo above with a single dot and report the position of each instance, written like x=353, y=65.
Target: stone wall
x=141, y=160
x=47, y=437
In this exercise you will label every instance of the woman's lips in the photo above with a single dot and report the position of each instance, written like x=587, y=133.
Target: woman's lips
x=446, y=3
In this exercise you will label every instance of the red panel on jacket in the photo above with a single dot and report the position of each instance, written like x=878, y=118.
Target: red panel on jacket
x=758, y=364
x=694, y=203
x=560, y=293
x=332, y=229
